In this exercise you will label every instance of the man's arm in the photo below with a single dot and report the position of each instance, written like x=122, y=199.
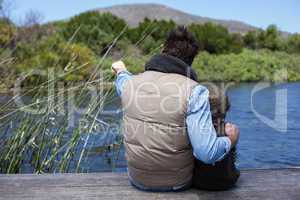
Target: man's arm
x=122, y=74
x=122, y=77
x=207, y=147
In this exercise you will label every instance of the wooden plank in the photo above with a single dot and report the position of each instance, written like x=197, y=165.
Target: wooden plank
x=254, y=184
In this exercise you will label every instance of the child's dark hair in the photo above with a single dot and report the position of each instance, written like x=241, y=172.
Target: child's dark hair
x=182, y=44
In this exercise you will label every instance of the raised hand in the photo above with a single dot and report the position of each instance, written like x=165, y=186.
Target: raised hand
x=118, y=67
x=233, y=132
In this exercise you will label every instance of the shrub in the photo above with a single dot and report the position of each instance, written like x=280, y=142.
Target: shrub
x=293, y=44
x=7, y=34
x=250, y=39
x=247, y=66
x=216, y=39
x=93, y=29
x=270, y=38
x=150, y=33
x=54, y=53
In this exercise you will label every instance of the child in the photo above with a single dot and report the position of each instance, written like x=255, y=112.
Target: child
x=223, y=175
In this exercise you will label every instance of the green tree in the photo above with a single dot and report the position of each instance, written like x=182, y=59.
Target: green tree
x=237, y=43
x=54, y=52
x=270, y=38
x=150, y=33
x=157, y=29
x=250, y=39
x=215, y=38
x=294, y=43
x=93, y=29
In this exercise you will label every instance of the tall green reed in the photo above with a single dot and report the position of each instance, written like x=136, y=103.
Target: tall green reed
x=44, y=140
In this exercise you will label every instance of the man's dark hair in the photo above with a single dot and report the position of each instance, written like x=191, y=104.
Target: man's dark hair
x=182, y=44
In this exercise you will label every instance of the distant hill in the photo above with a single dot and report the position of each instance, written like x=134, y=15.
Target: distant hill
x=135, y=13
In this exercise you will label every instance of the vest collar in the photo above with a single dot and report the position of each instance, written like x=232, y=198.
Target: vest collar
x=169, y=64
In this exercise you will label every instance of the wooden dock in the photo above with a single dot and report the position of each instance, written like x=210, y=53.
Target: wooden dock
x=277, y=184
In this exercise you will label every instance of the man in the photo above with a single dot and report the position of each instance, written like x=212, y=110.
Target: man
x=167, y=118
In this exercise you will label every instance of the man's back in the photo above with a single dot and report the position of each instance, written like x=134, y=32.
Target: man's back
x=158, y=150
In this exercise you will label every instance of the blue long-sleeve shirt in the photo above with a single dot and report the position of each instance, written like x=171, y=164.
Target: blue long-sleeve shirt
x=207, y=147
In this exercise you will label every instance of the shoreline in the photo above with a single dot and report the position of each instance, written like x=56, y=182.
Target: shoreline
x=109, y=85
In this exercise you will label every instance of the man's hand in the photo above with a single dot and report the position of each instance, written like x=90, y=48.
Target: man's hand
x=118, y=67
x=233, y=133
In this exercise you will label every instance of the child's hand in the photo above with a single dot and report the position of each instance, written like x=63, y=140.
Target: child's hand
x=118, y=67
x=233, y=132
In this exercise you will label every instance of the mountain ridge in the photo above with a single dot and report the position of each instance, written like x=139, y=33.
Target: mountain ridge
x=133, y=14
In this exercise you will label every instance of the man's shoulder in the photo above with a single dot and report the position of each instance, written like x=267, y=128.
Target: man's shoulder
x=199, y=91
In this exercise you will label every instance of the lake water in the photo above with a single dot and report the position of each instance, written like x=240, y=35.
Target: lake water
x=262, y=145
x=266, y=140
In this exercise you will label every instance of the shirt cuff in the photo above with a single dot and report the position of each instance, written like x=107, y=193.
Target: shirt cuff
x=227, y=142
x=227, y=146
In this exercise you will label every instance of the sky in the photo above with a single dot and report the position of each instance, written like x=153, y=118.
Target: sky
x=261, y=13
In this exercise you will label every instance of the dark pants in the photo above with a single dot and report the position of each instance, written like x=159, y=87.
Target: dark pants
x=221, y=176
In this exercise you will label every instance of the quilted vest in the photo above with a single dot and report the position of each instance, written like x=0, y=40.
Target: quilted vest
x=158, y=150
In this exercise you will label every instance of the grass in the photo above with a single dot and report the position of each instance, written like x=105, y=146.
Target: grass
x=44, y=140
